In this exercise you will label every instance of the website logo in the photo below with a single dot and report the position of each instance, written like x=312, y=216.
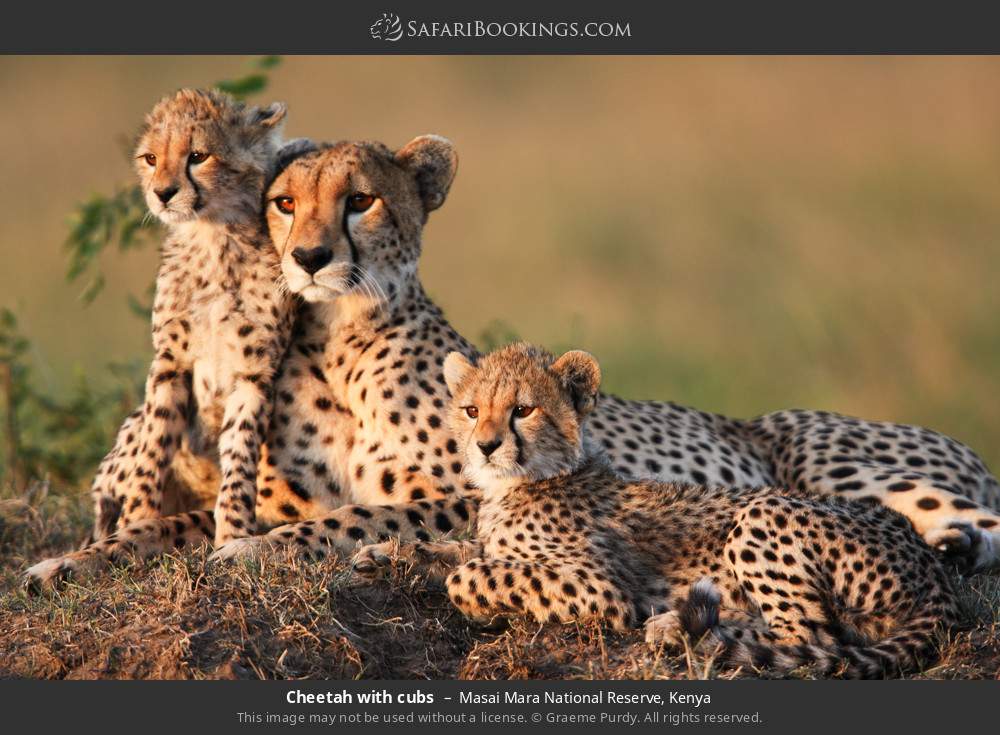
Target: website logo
x=390, y=28
x=387, y=28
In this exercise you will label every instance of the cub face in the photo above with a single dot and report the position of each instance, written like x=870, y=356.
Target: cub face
x=203, y=155
x=518, y=413
x=348, y=217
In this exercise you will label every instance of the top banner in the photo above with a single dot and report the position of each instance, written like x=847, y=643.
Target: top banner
x=511, y=27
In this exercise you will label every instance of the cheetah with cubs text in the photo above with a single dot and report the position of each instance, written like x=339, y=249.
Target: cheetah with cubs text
x=782, y=579
x=358, y=449
x=221, y=323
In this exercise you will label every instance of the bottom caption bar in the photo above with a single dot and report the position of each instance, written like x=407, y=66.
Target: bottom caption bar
x=529, y=706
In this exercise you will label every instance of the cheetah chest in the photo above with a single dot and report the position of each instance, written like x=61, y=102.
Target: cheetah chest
x=216, y=356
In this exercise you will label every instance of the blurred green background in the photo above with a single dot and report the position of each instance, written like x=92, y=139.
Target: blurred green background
x=737, y=234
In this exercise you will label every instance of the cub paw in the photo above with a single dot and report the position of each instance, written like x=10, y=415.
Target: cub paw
x=665, y=628
x=431, y=560
x=48, y=574
x=373, y=559
x=250, y=547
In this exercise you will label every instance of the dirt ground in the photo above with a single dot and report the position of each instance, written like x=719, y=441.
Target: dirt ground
x=282, y=618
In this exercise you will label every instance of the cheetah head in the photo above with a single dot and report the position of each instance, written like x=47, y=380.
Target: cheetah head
x=203, y=155
x=348, y=217
x=518, y=413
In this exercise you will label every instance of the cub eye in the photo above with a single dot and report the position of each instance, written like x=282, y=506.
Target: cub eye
x=197, y=157
x=521, y=412
x=150, y=159
x=472, y=412
x=285, y=205
x=360, y=202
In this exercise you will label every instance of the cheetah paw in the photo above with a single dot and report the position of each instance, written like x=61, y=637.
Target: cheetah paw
x=665, y=628
x=48, y=574
x=974, y=548
x=250, y=547
x=431, y=560
x=372, y=559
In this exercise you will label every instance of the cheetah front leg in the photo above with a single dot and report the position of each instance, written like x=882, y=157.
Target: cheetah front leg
x=160, y=429
x=142, y=539
x=244, y=423
x=433, y=560
x=486, y=588
x=115, y=468
x=343, y=530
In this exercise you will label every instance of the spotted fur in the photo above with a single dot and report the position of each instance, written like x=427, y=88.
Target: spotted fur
x=220, y=326
x=780, y=578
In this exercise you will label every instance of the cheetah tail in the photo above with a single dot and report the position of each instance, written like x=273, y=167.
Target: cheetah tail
x=699, y=613
x=903, y=650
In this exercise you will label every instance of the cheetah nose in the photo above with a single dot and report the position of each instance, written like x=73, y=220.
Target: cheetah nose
x=487, y=448
x=166, y=193
x=312, y=259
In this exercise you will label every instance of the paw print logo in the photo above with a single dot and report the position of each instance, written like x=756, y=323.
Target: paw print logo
x=387, y=28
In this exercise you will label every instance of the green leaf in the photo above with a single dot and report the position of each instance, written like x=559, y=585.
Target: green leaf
x=497, y=334
x=250, y=84
x=93, y=288
x=118, y=220
x=131, y=227
x=268, y=62
x=141, y=310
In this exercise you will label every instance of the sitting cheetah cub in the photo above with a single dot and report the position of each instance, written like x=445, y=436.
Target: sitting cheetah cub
x=781, y=579
x=221, y=324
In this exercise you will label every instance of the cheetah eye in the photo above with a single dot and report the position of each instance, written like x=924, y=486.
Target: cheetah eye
x=522, y=412
x=150, y=159
x=197, y=157
x=360, y=202
x=472, y=412
x=285, y=205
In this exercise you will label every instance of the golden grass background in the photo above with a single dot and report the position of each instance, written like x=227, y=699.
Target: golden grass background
x=738, y=234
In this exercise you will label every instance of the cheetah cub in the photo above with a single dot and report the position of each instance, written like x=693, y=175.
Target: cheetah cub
x=221, y=323
x=781, y=579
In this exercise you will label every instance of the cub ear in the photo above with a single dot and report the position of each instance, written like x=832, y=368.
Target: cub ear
x=580, y=376
x=432, y=161
x=270, y=116
x=456, y=369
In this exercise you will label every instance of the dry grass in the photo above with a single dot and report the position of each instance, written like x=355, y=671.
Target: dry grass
x=177, y=618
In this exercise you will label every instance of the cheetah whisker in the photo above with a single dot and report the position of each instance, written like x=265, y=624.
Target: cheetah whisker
x=372, y=288
x=281, y=285
x=383, y=297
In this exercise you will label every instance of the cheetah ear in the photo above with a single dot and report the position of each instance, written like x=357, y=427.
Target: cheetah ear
x=580, y=376
x=292, y=149
x=456, y=369
x=432, y=161
x=270, y=116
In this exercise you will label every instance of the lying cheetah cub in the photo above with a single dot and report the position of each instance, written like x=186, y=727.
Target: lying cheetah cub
x=780, y=578
x=221, y=324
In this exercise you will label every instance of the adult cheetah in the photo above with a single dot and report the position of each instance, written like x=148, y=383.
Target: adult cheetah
x=781, y=578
